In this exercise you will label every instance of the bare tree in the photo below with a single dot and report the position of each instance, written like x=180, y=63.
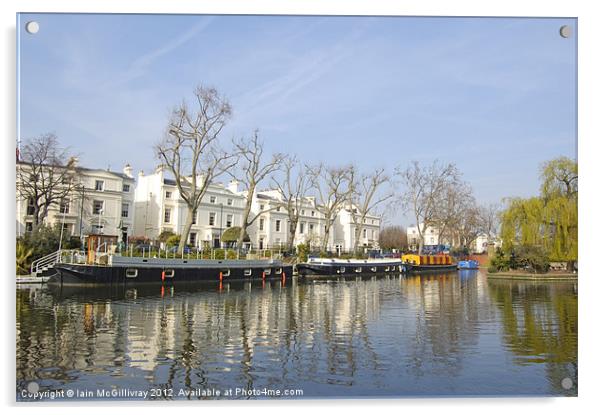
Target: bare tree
x=45, y=175
x=393, y=237
x=489, y=216
x=468, y=226
x=253, y=170
x=364, y=198
x=455, y=201
x=424, y=186
x=333, y=187
x=190, y=149
x=292, y=186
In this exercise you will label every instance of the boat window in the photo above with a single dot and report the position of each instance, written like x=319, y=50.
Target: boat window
x=278, y=270
x=225, y=273
x=248, y=272
x=342, y=269
x=358, y=269
x=131, y=272
x=373, y=269
x=268, y=271
x=387, y=269
x=169, y=273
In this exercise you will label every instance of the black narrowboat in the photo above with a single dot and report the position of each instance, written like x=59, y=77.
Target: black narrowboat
x=331, y=266
x=128, y=270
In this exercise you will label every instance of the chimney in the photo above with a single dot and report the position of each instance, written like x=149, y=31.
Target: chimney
x=127, y=170
x=141, y=173
x=233, y=186
x=159, y=168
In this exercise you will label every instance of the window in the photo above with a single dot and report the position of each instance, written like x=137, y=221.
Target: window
x=125, y=210
x=365, y=233
x=261, y=221
x=313, y=213
x=169, y=273
x=229, y=202
x=131, y=272
x=278, y=209
x=192, y=239
x=372, y=233
x=99, y=185
x=278, y=226
x=64, y=206
x=261, y=207
x=211, y=218
x=126, y=187
x=311, y=228
x=212, y=199
x=168, y=195
x=194, y=217
x=228, y=221
x=248, y=272
x=97, y=207
x=167, y=215
x=301, y=228
x=303, y=212
x=30, y=206
x=28, y=226
x=373, y=221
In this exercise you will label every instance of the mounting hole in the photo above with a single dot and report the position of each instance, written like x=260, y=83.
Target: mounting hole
x=32, y=27
x=567, y=383
x=565, y=31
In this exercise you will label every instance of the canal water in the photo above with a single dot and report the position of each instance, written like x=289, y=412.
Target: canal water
x=457, y=334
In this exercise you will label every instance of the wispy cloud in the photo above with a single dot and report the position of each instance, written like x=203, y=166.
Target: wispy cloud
x=141, y=65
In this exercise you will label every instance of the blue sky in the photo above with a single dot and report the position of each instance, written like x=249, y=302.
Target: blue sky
x=494, y=95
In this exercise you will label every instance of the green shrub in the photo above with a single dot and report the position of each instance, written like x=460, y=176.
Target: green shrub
x=302, y=252
x=491, y=269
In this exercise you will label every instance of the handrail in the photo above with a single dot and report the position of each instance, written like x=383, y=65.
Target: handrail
x=100, y=246
x=51, y=258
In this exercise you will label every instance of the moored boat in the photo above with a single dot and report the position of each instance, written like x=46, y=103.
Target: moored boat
x=468, y=264
x=428, y=263
x=334, y=266
x=133, y=270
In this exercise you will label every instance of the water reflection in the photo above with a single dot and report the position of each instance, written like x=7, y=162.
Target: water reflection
x=540, y=325
x=371, y=336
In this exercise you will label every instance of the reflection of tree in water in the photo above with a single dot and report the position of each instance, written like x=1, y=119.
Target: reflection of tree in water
x=539, y=321
x=447, y=316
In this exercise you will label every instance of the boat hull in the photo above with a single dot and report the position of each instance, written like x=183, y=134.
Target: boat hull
x=75, y=274
x=423, y=269
x=350, y=268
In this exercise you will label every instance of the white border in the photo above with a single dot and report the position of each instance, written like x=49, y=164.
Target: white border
x=590, y=113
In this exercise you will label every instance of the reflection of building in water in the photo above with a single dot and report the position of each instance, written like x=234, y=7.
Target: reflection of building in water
x=446, y=321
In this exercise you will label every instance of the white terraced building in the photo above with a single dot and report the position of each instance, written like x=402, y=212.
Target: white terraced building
x=271, y=229
x=159, y=207
x=101, y=202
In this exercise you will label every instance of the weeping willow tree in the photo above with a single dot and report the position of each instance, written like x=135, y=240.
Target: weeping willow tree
x=550, y=220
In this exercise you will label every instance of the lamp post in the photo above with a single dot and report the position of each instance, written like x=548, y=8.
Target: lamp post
x=99, y=218
x=221, y=222
x=81, y=216
x=62, y=227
